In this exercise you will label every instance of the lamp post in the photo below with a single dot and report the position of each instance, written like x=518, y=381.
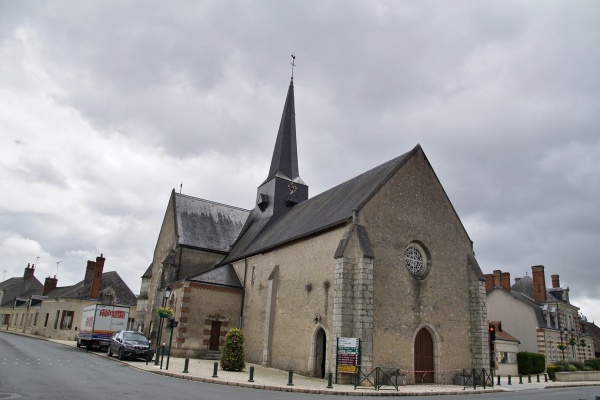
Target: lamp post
x=166, y=295
x=172, y=324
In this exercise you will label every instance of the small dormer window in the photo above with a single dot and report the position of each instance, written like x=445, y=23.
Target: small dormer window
x=262, y=201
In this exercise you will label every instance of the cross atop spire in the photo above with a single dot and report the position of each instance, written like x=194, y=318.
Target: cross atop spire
x=293, y=64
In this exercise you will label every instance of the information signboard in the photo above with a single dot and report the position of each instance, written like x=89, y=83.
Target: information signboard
x=348, y=350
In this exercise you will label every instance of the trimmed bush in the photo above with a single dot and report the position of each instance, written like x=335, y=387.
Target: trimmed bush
x=586, y=368
x=551, y=370
x=572, y=368
x=594, y=363
x=531, y=363
x=577, y=365
x=233, y=357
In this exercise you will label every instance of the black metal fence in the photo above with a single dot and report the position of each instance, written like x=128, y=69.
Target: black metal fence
x=476, y=378
x=378, y=377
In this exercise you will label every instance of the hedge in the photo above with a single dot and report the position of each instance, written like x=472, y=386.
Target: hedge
x=531, y=363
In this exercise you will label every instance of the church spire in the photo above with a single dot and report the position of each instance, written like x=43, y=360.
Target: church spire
x=284, y=163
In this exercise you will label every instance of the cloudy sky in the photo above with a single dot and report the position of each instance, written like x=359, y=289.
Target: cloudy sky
x=106, y=106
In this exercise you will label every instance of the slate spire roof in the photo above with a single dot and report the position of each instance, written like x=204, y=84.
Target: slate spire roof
x=284, y=163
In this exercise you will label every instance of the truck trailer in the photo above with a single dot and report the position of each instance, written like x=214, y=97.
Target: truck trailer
x=98, y=324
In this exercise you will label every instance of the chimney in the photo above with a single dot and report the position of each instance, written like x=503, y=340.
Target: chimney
x=539, y=283
x=49, y=285
x=28, y=272
x=89, y=272
x=555, y=281
x=97, y=279
x=497, y=273
x=489, y=282
x=505, y=281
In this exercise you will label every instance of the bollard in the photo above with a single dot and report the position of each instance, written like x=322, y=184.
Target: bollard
x=162, y=355
x=215, y=367
x=148, y=355
x=545, y=377
x=290, y=378
x=538, y=378
x=528, y=378
x=186, y=365
x=509, y=380
x=251, y=375
x=157, y=356
x=329, y=380
x=520, y=379
x=498, y=380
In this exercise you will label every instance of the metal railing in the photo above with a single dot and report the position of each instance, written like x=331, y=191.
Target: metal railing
x=478, y=378
x=378, y=377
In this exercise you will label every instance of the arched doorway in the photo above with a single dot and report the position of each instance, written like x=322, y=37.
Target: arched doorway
x=320, y=353
x=424, y=370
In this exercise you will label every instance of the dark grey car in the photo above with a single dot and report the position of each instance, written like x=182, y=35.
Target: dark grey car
x=130, y=344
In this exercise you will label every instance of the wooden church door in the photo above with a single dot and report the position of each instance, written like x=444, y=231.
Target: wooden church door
x=215, y=335
x=424, y=357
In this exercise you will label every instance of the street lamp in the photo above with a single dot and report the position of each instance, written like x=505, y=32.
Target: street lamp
x=166, y=295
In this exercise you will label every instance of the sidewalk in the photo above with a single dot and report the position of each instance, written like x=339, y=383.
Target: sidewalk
x=277, y=380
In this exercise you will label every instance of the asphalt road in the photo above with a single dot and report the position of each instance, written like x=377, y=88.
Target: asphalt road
x=38, y=369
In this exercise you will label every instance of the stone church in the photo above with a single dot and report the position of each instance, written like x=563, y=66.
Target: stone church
x=382, y=257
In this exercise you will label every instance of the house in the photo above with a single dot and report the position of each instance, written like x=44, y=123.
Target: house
x=57, y=312
x=382, y=258
x=594, y=331
x=15, y=291
x=505, y=349
x=542, y=318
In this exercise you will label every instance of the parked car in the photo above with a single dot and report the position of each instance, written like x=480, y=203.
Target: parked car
x=130, y=344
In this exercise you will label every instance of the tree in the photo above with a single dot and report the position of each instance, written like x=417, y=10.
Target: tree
x=233, y=357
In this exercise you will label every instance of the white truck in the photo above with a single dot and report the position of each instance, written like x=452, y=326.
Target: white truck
x=99, y=322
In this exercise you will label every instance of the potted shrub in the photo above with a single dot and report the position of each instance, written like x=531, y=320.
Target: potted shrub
x=164, y=312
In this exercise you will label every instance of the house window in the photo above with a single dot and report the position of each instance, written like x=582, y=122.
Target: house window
x=417, y=260
x=35, y=319
x=67, y=319
x=46, y=320
x=56, y=319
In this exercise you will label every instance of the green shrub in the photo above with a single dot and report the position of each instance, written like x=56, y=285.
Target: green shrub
x=572, y=368
x=592, y=363
x=531, y=363
x=586, y=368
x=233, y=357
x=551, y=370
x=577, y=365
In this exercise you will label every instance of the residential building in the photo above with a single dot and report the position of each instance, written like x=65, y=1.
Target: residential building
x=542, y=318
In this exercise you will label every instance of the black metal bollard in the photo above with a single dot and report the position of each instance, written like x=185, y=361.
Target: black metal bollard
x=186, y=365
x=538, y=378
x=545, y=377
x=157, y=356
x=251, y=375
x=520, y=379
x=509, y=380
x=528, y=378
x=215, y=368
x=290, y=378
x=498, y=380
x=329, y=380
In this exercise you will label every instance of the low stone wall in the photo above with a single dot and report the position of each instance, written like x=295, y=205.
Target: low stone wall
x=578, y=376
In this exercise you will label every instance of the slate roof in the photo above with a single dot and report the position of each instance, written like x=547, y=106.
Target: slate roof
x=324, y=211
x=10, y=282
x=81, y=290
x=222, y=276
x=207, y=225
x=502, y=334
x=525, y=287
x=148, y=273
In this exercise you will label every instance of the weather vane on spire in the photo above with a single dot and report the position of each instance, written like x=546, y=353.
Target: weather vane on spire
x=293, y=64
